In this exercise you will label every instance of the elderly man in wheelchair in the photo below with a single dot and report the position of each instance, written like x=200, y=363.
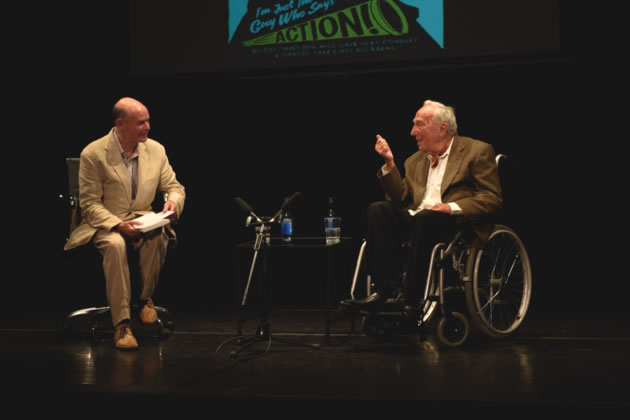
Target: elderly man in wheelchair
x=448, y=196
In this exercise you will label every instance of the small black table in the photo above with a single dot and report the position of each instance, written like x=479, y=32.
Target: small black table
x=304, y=242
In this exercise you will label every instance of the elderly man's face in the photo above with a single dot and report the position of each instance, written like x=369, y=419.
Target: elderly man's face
x=429, y=136
x=135, y=127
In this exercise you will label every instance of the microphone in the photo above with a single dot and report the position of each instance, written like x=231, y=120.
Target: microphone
x=290, y=200
x=286, y=204
x=246, y=209
x=243, y=205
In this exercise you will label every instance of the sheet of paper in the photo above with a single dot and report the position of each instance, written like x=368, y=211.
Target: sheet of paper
x=152, y=221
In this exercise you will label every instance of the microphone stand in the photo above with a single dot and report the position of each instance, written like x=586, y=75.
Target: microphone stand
x=261, y=243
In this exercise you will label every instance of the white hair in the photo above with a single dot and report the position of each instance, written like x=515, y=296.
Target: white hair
x=443, y=114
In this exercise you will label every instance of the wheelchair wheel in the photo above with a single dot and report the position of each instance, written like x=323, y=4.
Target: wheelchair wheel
x=453, y=331
x=500, y=284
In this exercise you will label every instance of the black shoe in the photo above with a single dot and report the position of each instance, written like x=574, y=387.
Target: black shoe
x=370, y=303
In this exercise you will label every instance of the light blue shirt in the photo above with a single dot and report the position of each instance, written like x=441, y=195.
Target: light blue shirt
x=132, y=166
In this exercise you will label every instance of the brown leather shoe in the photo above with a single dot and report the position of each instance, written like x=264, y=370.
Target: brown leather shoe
x=148, y=314
x=124, y=339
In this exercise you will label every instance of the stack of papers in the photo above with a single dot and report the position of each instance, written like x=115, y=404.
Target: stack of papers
x=153, y=221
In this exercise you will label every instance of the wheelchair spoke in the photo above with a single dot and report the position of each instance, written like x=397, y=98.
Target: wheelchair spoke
x=490, y=301
x=504, y=312
x=507, y=277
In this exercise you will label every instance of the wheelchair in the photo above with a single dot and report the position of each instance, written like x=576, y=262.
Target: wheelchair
x=491, y=287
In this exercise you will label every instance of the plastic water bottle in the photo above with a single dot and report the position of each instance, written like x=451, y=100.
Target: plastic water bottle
x=286, y=226
x=332, y=224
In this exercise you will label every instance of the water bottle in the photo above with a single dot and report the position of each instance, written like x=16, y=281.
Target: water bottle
x=286, y=226
x=332, y=224
x=331, y=207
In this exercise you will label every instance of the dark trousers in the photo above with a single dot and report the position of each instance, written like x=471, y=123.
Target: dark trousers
x=388, y=228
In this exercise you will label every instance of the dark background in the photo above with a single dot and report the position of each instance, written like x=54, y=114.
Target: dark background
x=262, y=136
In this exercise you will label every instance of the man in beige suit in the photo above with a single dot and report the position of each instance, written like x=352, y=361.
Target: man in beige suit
x=119, y=176
x=450, y=180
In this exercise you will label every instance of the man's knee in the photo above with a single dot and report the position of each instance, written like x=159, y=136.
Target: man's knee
x=112, y=241
x=380, y=208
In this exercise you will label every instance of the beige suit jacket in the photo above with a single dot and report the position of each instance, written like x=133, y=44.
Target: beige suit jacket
x=105, y=186
x=471, y=180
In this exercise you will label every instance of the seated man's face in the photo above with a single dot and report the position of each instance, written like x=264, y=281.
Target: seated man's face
x=135, y=127
x=430, y=137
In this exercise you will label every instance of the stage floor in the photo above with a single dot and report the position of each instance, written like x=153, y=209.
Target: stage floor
x=569, y=361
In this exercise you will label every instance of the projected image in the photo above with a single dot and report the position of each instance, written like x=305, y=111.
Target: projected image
x=272, y=32
x=262, y=35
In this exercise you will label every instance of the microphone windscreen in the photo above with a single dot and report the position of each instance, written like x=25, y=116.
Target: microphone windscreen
x=290, y=200
x=243, y=205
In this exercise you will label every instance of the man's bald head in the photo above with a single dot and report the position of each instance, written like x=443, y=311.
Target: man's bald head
x=125, y=106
